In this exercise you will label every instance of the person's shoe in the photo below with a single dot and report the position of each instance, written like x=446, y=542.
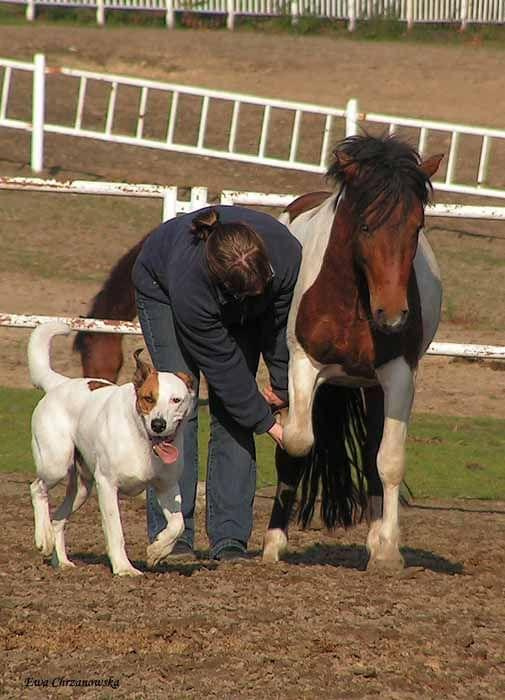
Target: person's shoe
x=181, y=552
x=231, y=553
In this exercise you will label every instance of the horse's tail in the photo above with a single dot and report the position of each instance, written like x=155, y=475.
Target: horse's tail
x=336, y=467
x=101, y=353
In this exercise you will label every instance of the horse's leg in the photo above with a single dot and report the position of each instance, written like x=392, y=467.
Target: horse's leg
x=289, y=470
x=374, y=400
x=101, y=355
x=397, y=381
x=298, y=434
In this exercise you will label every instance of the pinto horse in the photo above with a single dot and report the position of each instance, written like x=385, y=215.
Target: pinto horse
x=365, y=308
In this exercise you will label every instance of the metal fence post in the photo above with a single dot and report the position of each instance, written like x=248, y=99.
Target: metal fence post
x=38, y=108
x=169, y=14
x=30, y=10
x=198, y=198
x=410, y=14
x=351, y=11
x=464, y=14
x=230, y=18
x=100, y=12
x=170, y=203
x=295, y=12
x=351, y=117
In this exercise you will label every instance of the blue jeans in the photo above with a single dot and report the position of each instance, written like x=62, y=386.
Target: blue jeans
x=231, y=465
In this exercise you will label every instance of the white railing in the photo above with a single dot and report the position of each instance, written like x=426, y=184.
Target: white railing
x=198, y=197
x=96, y=325
x=172, y=206
x=214, y=118
x=411, y=12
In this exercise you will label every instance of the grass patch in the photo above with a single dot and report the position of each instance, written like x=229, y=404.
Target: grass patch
x=379, y=28
x=447, y=457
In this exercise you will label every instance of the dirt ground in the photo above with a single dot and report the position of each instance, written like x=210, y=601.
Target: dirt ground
x=316, y=625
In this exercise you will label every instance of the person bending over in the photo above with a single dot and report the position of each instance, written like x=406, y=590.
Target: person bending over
x=213, y=291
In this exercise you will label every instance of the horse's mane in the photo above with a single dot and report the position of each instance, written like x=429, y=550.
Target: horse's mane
x=389, y=173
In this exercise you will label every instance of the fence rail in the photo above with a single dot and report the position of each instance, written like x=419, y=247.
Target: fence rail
x=172, y=206
x=462, y=12
x=198, y=198
x=95, y=325
x=198, y=121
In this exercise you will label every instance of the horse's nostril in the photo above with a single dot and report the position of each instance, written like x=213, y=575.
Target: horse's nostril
x=158, y=425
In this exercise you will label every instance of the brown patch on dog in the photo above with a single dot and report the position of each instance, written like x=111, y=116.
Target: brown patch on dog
x=142, y=371
x=186, y=378
x=93, y=385
x=148, y=393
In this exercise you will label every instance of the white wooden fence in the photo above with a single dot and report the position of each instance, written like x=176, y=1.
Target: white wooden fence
x=462, y=12
x=172, y=206
x=208, y=122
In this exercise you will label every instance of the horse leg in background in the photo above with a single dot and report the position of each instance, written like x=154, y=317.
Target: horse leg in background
x=374, y=401
x=397, y=381
x=101, y=353
x=298, y=433
x=289, y=471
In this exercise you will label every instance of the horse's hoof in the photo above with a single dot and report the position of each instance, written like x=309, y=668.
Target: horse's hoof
x=130, y=571
x=61, y=565
x=391, y=565
x=274, y=545
x=158, y=550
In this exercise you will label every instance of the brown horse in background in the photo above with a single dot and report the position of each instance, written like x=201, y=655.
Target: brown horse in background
x=102, y=353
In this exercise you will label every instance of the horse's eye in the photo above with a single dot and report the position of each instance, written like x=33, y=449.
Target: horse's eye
x=176, y=399
x=148, y=399
x=365, y=228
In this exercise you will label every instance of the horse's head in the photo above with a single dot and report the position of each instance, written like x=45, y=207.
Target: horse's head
x=385, y=187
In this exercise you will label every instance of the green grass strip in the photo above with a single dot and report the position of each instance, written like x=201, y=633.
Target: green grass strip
x=447, y=457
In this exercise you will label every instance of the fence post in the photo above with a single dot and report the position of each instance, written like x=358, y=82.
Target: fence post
x=30, y=10
x=38, y=108
x=170, y=203
x=295, y=12
x=230, y=18
x=351, y=117
x=198, y=198
x=169, y=14
x=100, y=12
x=464, y=14
x=410, y=14
x=351, y=11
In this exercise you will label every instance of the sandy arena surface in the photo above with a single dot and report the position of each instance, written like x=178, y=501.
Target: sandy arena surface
x=316, y=625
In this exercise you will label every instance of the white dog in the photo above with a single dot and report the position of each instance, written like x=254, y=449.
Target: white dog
x=121, y=438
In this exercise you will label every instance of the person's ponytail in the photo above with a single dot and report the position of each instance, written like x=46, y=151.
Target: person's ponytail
x=204, y=224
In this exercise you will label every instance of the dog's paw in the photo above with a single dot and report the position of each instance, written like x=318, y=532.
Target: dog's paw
x=158, y=550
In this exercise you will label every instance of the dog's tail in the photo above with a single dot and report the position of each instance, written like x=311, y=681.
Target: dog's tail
x=39, y=349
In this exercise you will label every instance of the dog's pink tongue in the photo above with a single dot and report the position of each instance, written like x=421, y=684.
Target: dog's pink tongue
x=166, y=451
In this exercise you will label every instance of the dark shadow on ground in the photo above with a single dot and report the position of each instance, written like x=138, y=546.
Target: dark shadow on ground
x=185, y=568
x=356, y=557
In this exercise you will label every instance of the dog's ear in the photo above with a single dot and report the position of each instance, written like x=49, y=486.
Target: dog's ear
x=142, y=371
x=187, y=379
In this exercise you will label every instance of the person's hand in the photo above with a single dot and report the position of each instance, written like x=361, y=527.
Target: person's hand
x=272, y=398
x=276, y=433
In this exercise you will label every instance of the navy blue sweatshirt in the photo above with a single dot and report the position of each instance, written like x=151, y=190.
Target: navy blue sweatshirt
x=172, y=268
